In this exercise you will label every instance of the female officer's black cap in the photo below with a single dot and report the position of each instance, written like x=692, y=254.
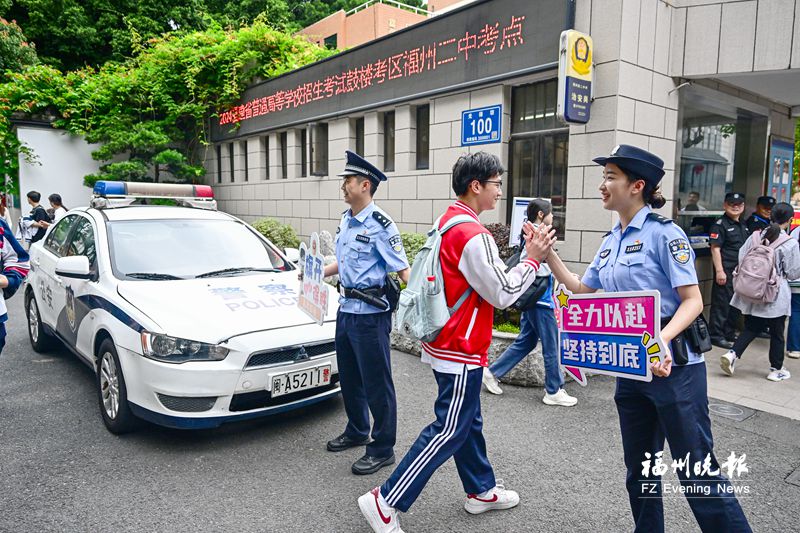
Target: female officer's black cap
x=358, y=166
x=648, y=166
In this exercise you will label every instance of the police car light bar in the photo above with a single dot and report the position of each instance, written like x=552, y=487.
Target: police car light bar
x=109, y=194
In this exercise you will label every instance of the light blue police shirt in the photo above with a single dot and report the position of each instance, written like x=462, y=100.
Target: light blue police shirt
x=648, y=255
x=366, y=249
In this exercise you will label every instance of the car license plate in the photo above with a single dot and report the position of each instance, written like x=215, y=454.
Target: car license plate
x=301, y=380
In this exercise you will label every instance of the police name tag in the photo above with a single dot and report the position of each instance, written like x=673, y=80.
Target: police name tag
x=616, y=334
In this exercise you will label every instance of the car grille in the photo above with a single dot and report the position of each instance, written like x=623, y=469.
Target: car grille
x=290, y=354
x=184, y=404
x=256, y=400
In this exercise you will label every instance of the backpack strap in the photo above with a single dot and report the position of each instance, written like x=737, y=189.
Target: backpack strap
x=455, y=221
x=460, y=301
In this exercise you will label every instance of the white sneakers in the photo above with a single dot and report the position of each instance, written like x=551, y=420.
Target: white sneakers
x=778, y=374
x=793, y=355
x=490, y=382
x=496, y=498
x=560, y=398
x=381, y=517
x=727, y=361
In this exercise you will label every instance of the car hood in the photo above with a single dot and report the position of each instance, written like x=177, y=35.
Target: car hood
x=216, y=309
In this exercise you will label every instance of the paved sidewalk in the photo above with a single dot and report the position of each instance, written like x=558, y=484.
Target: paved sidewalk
x=749, y=385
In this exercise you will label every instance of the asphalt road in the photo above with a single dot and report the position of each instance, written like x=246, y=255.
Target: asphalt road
x=60, y=470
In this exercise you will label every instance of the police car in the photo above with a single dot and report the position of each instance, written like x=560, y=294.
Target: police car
x=187, y=315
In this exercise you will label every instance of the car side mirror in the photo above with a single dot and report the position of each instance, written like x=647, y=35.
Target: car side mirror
x=292, y=254
x=74, y=266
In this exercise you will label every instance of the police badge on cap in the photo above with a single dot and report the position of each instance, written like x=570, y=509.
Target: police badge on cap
x=358, y=166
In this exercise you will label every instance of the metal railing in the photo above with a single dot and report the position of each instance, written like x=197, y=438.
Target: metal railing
x=401, y=5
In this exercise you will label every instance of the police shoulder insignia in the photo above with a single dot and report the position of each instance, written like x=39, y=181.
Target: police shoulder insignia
x=605, y=253
x=382, y=219
x=659, y=218
x=607, y=234
x=680, y=250
x=396, y=242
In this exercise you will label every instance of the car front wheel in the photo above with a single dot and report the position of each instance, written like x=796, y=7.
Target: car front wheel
x=40, y=340
x=111, y=391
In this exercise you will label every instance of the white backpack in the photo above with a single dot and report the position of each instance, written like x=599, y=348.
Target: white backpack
x=422, y=311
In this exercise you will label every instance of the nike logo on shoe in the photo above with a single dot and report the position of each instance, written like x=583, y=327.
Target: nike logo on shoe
x=475, y=497
x=386, y=519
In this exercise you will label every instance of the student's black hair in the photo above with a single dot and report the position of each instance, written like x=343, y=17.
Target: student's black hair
x=55, y=199
x=781, y=214
x=35, y=196
x=478, y=166
x=536, y=205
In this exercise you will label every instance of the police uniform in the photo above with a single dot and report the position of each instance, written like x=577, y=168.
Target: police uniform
x=729, y=235
x=368, y=246
x=756, y=222
x=652, y=252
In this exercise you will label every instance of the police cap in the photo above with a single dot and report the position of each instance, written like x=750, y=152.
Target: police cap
x=734, y=198
x=358, y=166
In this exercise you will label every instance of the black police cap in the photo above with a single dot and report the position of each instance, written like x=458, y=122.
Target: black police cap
x=644, y=164
x=734, y=198
x=358, y=166
x=766, y=201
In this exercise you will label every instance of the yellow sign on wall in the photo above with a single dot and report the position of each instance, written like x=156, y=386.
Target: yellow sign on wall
x=574, y=77
x=579, y=55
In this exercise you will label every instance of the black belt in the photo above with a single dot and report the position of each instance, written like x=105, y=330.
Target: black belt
x=376, y=291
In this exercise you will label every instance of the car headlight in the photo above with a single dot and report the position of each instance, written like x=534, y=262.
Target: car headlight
x=176, y=350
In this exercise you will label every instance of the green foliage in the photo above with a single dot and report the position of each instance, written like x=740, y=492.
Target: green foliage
x=412, y=242
x=150, y=113
x=281, y=235
x=507, y=327
x=16, y=53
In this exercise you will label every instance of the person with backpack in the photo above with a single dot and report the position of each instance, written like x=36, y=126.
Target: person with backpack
x=793, y=331
x=471, y=266
x=14, y=267
x=537, y=321
x=39, y=217
x=646, y=251
x=767, y=261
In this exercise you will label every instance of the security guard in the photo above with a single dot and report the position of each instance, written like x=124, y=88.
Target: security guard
x=368, y=246
x=646, y=251
x=726, y=236
x=760, y=217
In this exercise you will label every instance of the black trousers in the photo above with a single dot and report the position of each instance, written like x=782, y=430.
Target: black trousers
x=753, y=325
x=723, y=315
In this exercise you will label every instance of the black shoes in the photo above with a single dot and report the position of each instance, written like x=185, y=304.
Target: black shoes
x=343, y=442
x=722, y=343
x=369, y=464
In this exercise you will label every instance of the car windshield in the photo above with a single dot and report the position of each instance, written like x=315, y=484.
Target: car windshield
x=175, y=249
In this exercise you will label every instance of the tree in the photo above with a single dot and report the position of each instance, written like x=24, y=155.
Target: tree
x=15, y=52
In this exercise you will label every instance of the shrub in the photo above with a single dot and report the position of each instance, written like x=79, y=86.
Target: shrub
x=281, y=235
x=507, y=327
x=412, y=242
x=500, y=232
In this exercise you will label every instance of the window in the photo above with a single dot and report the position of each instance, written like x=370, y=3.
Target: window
x=284, y=152
x=533, y=107
x=263, y=146
x=55, y=240
x=219, y=163
x=231, y=162
x=330, y=42
x=319, y=149
x=423, y=136
x=82, y=241
x=243, y=156
x=304, y=152
x=359, y=127
x=388, y=141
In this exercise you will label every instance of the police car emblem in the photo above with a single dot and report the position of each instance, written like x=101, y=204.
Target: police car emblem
x=605, y=253
x=396, y=243
x=70, y=308
x=679, y=249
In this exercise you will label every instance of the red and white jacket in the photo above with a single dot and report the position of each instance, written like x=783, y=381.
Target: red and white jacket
x=469, y=258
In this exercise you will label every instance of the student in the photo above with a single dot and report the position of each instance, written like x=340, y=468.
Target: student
x=39, y=217
x=538, y=322
x=645, y=251
x=58, y=208
x=469, y=260
x=14, y=267
x=772, y=315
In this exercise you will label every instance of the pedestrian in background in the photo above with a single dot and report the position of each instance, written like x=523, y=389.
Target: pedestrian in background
x=793, y=331
x=537, y=322
x=761, y=315
x=39, y=218
x=760, y=218
x=726, y=237
x=58, y=207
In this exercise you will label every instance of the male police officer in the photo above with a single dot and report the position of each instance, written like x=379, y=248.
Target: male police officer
x=760, y=217
x=726, y=236
x=368, y=246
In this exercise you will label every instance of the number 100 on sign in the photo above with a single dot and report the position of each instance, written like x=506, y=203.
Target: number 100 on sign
x=481, y=126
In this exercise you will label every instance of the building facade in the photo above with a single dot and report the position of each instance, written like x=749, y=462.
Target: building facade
x=711, y=86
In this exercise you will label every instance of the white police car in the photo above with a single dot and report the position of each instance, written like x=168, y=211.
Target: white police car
x=187, y=315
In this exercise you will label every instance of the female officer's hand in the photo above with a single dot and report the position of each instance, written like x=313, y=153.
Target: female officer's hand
x=538, y=241
x=663, y=368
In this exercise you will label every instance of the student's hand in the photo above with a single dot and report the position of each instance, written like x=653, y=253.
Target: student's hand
x=538, y=241
x=721, y=278
x=663, y=368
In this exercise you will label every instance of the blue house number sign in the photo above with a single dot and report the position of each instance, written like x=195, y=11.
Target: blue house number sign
x=481, y=126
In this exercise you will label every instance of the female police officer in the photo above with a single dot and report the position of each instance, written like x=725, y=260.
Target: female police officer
x=647, y=251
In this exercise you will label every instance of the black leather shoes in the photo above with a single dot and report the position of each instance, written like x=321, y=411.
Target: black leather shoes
x=722, y=343
x=369, y=464
x=343, y=442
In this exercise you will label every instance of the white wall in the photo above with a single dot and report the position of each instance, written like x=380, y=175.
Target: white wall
x=63, y=161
